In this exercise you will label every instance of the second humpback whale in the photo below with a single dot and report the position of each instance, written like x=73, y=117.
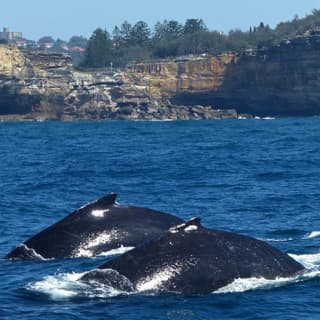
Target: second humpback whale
x=192, y=259
x=97, y=227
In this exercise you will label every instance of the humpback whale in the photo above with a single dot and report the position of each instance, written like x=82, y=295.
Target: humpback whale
x=192, y=259
x=97, y=227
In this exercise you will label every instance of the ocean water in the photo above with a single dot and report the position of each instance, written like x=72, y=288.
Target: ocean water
x=256, y=177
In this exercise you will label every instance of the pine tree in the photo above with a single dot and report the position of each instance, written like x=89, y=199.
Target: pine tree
x=99, y=49
x=194, y=26
x=140, y=33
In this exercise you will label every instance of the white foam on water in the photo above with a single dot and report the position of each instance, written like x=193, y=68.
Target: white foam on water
x=264, y=118
x=67, y=286
x=310, y=261
x=242, y=285
x=58, y=287
x=276, y=239
x=311, y=235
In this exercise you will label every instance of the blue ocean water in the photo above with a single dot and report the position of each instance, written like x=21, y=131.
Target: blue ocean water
x=255, y=177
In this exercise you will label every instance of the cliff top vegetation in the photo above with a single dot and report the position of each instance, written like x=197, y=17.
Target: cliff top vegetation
x=167, y=39
x=134, y=43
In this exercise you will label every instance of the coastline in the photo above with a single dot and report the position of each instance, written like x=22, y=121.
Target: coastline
x=37, y=86
x=173, y=113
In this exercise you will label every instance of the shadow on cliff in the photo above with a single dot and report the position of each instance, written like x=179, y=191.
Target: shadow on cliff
x=17, y=103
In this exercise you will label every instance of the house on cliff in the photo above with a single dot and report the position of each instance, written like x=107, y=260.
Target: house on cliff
x=8, y=35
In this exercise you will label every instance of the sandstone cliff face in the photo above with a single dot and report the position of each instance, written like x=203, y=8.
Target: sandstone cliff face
x=283, y=80
x=45, y=86
x=12, y=62
x=187, y=74
x=37, y=85
x=14, y=69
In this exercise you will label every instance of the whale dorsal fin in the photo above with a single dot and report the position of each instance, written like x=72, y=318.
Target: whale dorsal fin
x=192, y=224
x=107, y=200
x=195, y=221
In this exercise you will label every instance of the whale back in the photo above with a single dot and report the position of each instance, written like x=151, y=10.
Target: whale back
x=97, y=227
x=192, y=259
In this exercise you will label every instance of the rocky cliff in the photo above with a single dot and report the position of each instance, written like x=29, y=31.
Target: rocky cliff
x=37, y=85
x=283, y=80
x=279, y=81
x=192, y=74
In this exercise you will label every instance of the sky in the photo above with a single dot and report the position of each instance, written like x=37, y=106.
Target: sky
x=65, y=18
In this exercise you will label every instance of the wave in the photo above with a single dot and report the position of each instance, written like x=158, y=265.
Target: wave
x=311, y=235
x=276, y=239
x=66, y=286
x=58, y=287
x=306, y=236
x=249, y=284
x=310, y=261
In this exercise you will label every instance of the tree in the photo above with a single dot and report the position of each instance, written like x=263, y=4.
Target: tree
x=159, y=31
x=78, y=41
x=174, y=29
x=125, y=32
x=170, y=38
x=99, y=49
x=60, y=45
x=194, y=26
x=46, y=39
x=167, y=30
x=116, y=37
x=140, y=34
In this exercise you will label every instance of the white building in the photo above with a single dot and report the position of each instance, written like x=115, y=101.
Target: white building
x=8, y=35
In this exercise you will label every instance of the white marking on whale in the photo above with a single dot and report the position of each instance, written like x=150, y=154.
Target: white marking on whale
x=86, y=249
x=99, y=213
x=190, y=228
x=156, y=280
